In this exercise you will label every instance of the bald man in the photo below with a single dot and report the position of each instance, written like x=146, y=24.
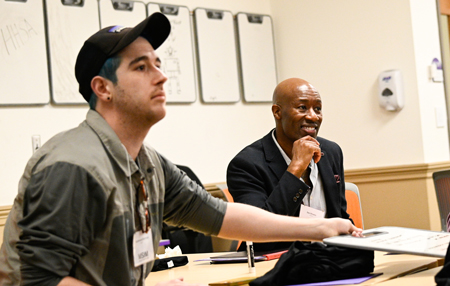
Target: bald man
x=291, y=171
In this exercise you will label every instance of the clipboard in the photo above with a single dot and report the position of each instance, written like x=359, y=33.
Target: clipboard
x=23, y=54
x=398, y=240
x=177, y=54
x=124, y=13
x=217, y=55
x=257, y=56
x=69, y=24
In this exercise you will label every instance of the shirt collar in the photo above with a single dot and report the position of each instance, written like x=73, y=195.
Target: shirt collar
x=116, y=149
x=285, y=156
x=312, y=164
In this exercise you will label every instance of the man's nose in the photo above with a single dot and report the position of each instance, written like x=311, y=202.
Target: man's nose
x=161, y=77
x=312, y=114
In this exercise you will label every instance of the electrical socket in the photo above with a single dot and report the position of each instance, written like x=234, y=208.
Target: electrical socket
x=35, y=142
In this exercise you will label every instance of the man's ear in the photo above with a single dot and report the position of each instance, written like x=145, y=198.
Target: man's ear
x=101, y=87
x=276, y=110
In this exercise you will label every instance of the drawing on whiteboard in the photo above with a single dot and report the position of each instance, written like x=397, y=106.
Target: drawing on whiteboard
x=177, y=54
x=16, y=35
x=171, y=63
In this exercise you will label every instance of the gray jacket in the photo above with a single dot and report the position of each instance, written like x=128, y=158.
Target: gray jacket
x=79, y=205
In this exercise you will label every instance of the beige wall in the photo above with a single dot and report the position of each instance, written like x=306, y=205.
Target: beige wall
x=399, y=195
x=340, y=46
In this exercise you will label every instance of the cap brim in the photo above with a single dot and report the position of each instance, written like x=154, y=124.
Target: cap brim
x=155, y=29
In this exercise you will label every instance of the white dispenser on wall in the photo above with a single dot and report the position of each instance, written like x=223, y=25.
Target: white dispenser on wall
x=390, y=90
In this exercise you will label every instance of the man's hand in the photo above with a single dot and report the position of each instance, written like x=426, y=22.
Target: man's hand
x=337, y=226
x=303, y=150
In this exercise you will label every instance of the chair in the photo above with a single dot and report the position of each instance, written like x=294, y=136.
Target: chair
x=226, y=194
x=221, y=244
x=190, y=174
x=354, y=208
x=442, y=186
x=189, y=241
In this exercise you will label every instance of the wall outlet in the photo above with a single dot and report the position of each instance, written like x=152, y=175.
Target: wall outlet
x=35, y=142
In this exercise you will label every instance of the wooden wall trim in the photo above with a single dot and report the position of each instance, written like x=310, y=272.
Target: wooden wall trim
x=4, y=211
x=395, y=173
x=213, y=186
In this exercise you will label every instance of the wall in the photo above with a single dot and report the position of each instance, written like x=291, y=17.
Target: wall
x=425, y=27
x=341, y=47
x=445, y=49
x=399, y=195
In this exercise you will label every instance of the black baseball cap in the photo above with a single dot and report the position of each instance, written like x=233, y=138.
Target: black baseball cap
x=109, y=41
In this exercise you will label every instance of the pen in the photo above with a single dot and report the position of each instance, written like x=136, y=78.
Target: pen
x=250, y=257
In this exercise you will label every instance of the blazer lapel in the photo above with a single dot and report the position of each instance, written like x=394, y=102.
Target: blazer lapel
x=274, y=160
x=330, y=187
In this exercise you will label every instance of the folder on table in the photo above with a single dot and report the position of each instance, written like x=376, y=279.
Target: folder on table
x=241, y=256
x=398, y=240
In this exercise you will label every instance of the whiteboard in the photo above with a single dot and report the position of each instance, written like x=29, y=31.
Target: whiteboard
x=128, y=14
x=397, y=239
x=23, y=55
x=177, y=54
x=257, y=56
x=68, y=27
x=217, y=56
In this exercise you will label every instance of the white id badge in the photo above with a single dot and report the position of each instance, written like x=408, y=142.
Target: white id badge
x=309, y=212
x=142, y=247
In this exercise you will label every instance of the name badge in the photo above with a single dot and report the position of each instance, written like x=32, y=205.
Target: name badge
x=309, y=212
x=142, y=248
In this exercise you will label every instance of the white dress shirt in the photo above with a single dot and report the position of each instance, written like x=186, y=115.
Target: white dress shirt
x=316, y=197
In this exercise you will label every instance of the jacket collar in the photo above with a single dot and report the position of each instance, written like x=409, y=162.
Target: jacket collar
x=274, y=159
x=114, y=146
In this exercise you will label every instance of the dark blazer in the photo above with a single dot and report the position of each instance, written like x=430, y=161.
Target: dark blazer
x=257, y=176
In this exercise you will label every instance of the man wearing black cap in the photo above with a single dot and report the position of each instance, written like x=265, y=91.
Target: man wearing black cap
x=92, y=200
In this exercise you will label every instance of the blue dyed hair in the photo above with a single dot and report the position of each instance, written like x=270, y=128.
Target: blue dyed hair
x=107, y=71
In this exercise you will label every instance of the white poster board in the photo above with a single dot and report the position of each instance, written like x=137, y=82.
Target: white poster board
x=123, y=13
x=177, y=54
x=217, y=55
x=23, y=54
x=397, y=239
x=257, y=54
x=69, y=26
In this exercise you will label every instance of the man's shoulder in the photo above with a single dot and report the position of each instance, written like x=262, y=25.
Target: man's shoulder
x=76, y=146
x=331, y=149
x=328, y=143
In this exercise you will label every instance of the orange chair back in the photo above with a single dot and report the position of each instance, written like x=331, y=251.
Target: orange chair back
x=228, y=195
x=354, y=208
